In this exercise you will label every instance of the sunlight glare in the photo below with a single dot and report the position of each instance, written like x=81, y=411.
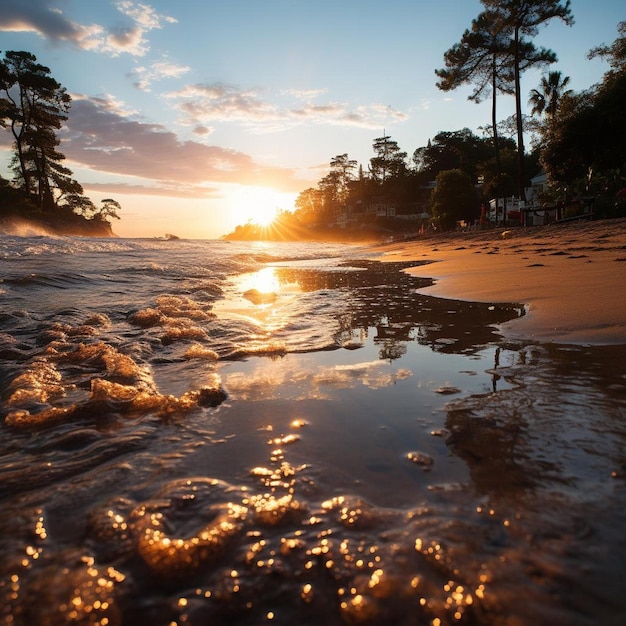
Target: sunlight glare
x=266, y=281
x=256, y=285
x=260, y=205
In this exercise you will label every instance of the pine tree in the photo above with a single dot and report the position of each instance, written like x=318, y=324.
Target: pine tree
x=521, y=19
x=34, y=107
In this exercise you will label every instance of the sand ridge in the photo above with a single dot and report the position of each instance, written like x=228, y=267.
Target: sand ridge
x=571, y=277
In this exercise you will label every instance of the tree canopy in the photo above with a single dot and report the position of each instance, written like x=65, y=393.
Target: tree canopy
x=454, y=198
x=33, y=107
x=520, y=20
x=586, y=139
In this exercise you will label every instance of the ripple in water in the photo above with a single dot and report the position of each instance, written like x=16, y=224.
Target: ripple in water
x=343, y=451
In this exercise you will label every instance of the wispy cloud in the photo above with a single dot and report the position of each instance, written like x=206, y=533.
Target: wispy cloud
x=304, y=94
x=100, y=137
x=45, y=20
x=146, y=75
x=143, y=14
x=167, y=190
x=319, y=382
x=201, y=104
x=131, y=38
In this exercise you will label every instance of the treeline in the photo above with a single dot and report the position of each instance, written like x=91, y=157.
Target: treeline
x=33, y=108
x=394, y=192
x=578, y=139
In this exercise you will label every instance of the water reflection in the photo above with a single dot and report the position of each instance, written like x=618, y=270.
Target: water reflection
x=421, y=475
x=376, y=296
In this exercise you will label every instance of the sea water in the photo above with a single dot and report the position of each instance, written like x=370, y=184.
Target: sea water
x=204, y=432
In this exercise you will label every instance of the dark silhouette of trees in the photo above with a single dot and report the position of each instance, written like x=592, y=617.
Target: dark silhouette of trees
x=481, y=58
x=460, y=149
x=522, y=19
x=546, y=99
x=389, y=161
x=36, y=106
x=454, y=198
x=344, y=168
x=584, y=143
x=33, y=107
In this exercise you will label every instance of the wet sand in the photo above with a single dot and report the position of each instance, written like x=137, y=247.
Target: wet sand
x=570, y=277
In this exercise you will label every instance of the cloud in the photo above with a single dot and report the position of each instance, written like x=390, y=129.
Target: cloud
x=42, y=18
x=200, y=103
x=130, y=39
x=39, y=17
x=157, y=71
x=171, y=191
x=98, y=136
x=202, y=130
x=220, y=102
x=143, y=14
x=305, y=94
x=319, y=382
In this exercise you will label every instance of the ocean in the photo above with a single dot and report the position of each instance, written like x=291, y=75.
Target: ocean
x=212, y=432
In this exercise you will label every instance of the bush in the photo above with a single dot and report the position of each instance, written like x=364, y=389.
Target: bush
x=454, y=198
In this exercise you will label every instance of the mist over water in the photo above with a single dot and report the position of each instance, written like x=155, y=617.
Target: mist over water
x=208, y=432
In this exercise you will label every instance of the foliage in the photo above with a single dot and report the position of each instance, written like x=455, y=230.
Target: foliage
x=461, y=149
x=33, y=107
x=108, y=210
x=389, y=160
x=521, y=20
x=481, y=58
x=500, y=186
x=588, y=134
x=583, y=148
x=454, y=198
x=546, y=99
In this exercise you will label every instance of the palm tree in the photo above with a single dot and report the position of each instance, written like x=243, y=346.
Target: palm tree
x=546, y=99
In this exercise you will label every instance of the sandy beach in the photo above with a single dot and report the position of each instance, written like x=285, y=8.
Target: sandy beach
x=570, y=277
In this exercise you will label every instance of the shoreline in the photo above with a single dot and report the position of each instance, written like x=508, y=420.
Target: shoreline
x=569, y=277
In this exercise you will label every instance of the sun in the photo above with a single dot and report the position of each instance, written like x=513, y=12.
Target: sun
x=260, y=205
x=265, y=215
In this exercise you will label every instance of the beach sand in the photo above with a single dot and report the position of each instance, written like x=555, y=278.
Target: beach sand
x=570, y=277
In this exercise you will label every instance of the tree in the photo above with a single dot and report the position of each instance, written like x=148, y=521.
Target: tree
x=389, y=160
x=35, y=106
x=482, y=59
x=108, y=210
x=522, y=18
x=308, y=205
x=454, y=198
x=343, y=167
x=461, y=149
x=588, y=135
x=546, y=99
x=586, y=139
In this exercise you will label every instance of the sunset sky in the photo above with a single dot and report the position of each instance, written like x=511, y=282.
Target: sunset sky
x=198, y=115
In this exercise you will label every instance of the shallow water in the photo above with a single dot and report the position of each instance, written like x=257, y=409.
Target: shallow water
x=203, y=432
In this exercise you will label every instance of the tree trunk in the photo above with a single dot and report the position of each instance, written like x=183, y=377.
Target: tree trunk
x=494, y=120
x=520, y=123
x=20, y=155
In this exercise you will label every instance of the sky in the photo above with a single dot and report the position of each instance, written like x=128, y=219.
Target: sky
x=198, y=115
